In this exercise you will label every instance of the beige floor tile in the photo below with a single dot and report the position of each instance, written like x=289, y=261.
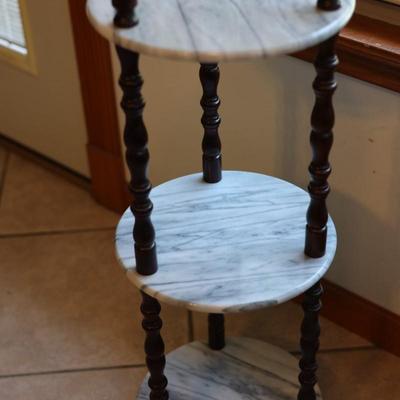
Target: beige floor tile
x=34, y=199
x=280, y=326
x=119, y=384
x=360, y=375
x=65, y=303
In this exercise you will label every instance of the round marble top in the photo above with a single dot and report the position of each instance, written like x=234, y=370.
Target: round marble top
x=218, y=30
x=232, y=246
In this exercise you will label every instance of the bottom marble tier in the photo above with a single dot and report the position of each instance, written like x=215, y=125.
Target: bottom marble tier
x=246, y=369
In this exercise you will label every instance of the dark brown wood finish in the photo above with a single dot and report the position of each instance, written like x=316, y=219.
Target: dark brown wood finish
x=154, y=347
x=212, y=168
x=210, y=102
x=309, y=342
x=369, y=50
x=108, y=183
x=329, y=5
x=371, y=321
x=137, y=158
x=125, y=16
x=322, y=121
x=216, y=331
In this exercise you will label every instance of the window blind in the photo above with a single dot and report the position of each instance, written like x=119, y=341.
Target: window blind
x=11, y=27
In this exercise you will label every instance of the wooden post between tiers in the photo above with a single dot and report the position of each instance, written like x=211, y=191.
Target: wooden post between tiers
x=154, y=348
x=329, y=5
x=125, y=16
x=210, y=102
x=321, y=139
x=216, y=331
x=137, y=158
x=310, y=332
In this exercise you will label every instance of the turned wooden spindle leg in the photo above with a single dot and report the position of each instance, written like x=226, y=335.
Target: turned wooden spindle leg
x=212, y=168
x=154, y=347
x=322, y=121
x=210, y=102
x=329, y=5
x=310, y=331
x=125, y=16
x=137, y=158
x=216, y=331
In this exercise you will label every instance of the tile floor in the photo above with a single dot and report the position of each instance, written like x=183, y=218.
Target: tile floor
x=69, y=319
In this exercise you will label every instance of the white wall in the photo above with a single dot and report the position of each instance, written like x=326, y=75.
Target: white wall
x=265, y=111
x=44, y=111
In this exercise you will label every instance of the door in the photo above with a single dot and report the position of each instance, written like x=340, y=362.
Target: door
x=59, y=100
x=41, y=104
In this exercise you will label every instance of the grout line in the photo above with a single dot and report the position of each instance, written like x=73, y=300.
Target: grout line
x=128, y=366
x=69, y=371
x=3, y=175
x=340, y=350
x=49, y=233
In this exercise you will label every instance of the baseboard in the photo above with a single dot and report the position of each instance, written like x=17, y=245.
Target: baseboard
x=72, y=176
x=362, y=317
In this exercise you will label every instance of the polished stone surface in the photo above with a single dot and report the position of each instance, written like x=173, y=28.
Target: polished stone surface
x=227, y=247
x=244, y=369
x=209, y=30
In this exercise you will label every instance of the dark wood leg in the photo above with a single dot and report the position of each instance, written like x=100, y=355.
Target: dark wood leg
x=212, y=168
x=216, y=331
x=322, y=121
x=137, y=158
x=210, y=102
x=154, y=347
x=310, y=331
x=329, y=5
x=125, y=16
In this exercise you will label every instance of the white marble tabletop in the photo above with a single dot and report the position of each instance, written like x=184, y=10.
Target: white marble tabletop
x=227, y=247
x=246, y=369
x=217, y=30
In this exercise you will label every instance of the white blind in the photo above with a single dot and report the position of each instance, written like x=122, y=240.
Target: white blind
x=11, y=27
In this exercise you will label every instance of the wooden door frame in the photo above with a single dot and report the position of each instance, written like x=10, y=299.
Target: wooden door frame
x=106, y=165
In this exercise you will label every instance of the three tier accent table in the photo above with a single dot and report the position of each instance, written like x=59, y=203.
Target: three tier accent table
x=227, y=241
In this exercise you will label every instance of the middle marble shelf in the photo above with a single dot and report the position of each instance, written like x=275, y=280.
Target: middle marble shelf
x=232, y=246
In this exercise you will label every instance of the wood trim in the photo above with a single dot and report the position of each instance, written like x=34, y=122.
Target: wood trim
x=360, y=316
x=369, y=50
x=96, y=81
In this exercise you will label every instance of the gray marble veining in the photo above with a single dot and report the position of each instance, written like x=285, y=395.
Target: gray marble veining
x=227, y=247
x=246, y=369
x=212, y=31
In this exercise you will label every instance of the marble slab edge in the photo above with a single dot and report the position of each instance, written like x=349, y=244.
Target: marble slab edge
x=135, y=278
x=111, y=34
x=244, y=369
